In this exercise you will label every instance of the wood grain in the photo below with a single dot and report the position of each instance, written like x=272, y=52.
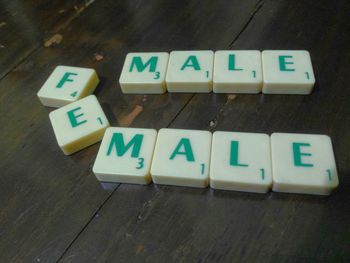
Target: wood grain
x=25, y=26
x=53, y=209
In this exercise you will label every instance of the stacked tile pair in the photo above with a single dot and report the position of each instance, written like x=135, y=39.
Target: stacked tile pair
x=251, y=162
x=80, y=121
x=225, y=71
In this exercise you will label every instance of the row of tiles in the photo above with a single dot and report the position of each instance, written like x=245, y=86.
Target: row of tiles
x=240, y=71
x=297, y=163
x=225, y=71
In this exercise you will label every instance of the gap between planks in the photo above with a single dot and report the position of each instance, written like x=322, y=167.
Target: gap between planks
x=58, y=29
x=87, y=224
x=257, y=8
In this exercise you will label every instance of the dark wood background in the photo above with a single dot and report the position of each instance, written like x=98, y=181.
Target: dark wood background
x=52, y=208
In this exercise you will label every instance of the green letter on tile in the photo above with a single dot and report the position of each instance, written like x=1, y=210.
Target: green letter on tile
x=232, y=62
x=298, y=154
x=186, y=144
x=121, y=148
x=283, y=63
x=140, y=66
x=234, y=155
x=65, y=79
x=74, y=118
x=192, y=61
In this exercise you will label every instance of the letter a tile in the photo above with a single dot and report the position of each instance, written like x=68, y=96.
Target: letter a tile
x=190, y=71
x=182, y=157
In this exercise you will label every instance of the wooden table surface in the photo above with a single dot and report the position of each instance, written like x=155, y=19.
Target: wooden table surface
x=52, y=207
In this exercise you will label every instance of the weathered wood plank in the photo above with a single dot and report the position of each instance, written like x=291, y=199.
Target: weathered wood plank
x=48, y=197
x=160, y=223
x=25, y=25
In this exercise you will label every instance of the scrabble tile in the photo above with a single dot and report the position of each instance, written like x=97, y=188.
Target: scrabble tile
x=287, y=72
x=79, y=124
x=144, y=73
x=303, y=163
x=190, y=71
x=237, y=71
x=66, y=85
x=125, y=155
x=182, y=157
x=241, y=162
